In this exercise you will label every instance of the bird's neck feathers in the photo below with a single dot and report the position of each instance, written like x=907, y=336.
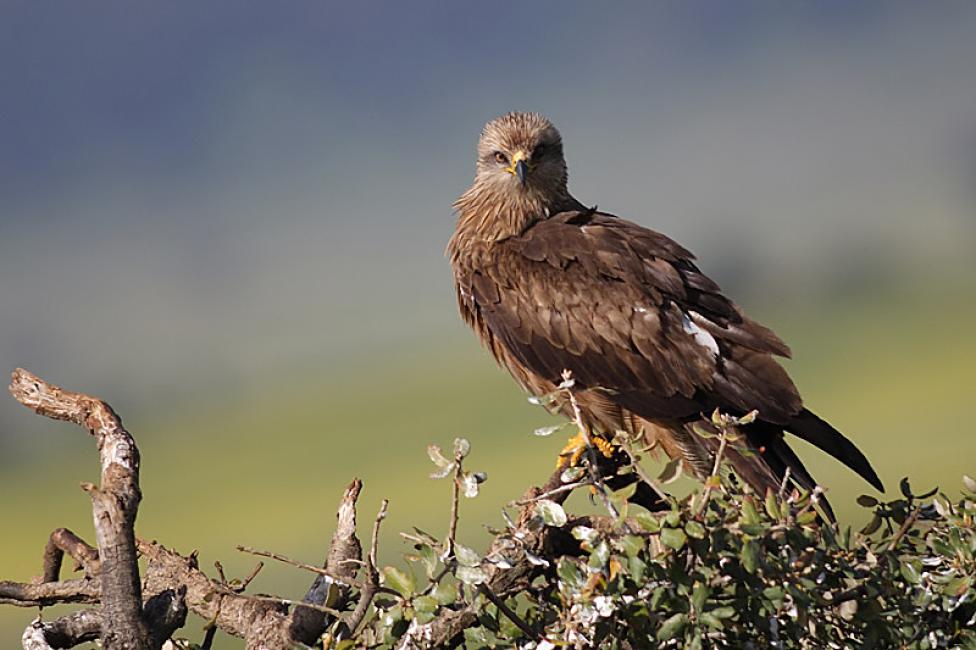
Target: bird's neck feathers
x=489, y=215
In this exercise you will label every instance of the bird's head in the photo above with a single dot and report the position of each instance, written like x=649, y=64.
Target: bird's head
x=519, y=155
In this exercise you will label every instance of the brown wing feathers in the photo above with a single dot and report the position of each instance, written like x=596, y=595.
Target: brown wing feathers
x=627, y=310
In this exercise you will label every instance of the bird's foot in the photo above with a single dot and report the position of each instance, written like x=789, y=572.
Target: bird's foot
x=573, y=451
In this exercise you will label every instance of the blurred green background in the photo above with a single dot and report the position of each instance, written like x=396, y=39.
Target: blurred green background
x=229, y=222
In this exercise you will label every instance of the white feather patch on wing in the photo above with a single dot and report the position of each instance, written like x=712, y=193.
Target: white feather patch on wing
x=702, y=337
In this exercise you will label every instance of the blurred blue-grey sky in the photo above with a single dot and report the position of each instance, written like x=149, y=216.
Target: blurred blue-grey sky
x=203, y=192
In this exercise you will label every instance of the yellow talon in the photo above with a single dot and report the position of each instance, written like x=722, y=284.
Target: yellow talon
x=573, y=451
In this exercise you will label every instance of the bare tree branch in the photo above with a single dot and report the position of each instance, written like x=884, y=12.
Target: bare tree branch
x=371, y=583
x=64, y=541
x=24, y=594
x=260, y=622
x=339, y=573
x=66, y=632
x=174, y=584
x=114, y=503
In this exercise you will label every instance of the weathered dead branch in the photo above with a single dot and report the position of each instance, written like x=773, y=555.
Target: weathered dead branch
x=114, y=503
x=173, y=584
x=64, y=541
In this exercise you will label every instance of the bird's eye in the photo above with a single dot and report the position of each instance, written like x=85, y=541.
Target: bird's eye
x=539, y=151
x=501, y=158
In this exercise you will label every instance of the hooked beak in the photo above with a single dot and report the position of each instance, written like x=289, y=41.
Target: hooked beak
x=519, y=167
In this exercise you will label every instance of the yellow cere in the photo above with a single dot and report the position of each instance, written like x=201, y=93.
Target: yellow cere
x=519, y=155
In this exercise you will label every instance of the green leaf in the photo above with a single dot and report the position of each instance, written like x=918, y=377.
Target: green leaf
x=702, y=431
x=755, y=530
x=461, y=447
x=807, y=517
x=637, y=568
x=428, y=556
x=940, y=546
x=471, y=575
x=772, y=506
x=695, y=529
x=584, y=533
x=905, y=488
x=648, y=522
x=569, y=573
x=748, y=418
x=425, y=604
x=671, y=472
x=749, y=513
x=399, y=580
x=872, y=526
x=470, y=485
x=911, y=570
x=867, y=501
x=548, y=431
x=699, y=595
x=466, y=556
x=445, y=592
x=436, y=456
x=707, y=618
x=969, y=482
x=478, y=637
x=958, y=586
x=444, y=466
x=571, y=474
x=630, y=545
x=718, y=418
x=774, y=594
x=673, y=538
x=600, y=555
x=749, y=556
x=672, y=627
x=551, y=513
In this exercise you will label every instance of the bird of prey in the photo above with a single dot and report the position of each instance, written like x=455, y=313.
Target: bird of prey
x=653, y=345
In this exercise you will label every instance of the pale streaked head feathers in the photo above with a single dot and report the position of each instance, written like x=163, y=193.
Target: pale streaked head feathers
x=505, y=198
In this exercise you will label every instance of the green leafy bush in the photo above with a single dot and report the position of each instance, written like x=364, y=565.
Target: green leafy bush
x=721, y=568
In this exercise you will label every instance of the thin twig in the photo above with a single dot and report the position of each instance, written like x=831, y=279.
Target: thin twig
x=374, y=542
x=455, y=502
x=242, y=585
x=301, y=565
x=288, y=602
x=251, y=576
x=785, y=483
x=568, y=487
x=220, y=571
x=372, y=581
x=909, y=522
x=723, y=440
x=590, y=450
x=721, y=450
x=208, y=638
x=507, y=611
x=643, y=474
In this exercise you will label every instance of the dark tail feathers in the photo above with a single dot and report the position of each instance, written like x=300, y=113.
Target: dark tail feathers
x=811, y=428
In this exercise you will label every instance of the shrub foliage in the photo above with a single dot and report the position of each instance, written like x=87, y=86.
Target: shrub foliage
x=721, y=568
